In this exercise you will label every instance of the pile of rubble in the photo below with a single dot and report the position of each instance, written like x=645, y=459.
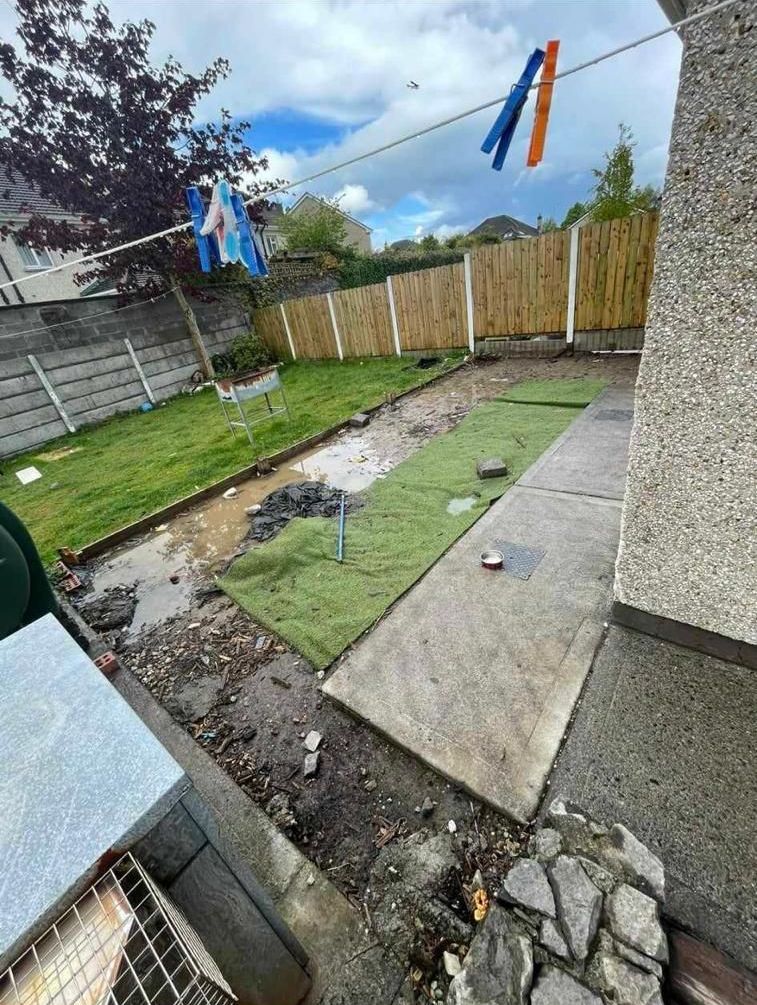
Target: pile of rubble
x=575, y=923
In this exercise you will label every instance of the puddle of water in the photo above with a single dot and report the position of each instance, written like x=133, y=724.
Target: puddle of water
x=350, y=464
x=455, y=506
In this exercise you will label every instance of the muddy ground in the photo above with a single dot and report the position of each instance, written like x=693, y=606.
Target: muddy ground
x=250, y=700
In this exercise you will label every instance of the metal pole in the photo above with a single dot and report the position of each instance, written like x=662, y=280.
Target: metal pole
x=340, y=539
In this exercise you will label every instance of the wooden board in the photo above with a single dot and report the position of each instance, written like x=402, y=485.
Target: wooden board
x=310, y=324
x=269, y=324
x=430, y=307
x=364, y=321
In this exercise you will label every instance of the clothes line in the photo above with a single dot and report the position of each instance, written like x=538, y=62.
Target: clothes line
x=707, y=12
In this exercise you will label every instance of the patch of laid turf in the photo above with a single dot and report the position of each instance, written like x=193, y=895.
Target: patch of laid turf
x=576, y=392
x=294, y=585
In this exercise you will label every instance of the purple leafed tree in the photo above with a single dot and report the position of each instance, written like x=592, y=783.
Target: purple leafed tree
x=113, y=140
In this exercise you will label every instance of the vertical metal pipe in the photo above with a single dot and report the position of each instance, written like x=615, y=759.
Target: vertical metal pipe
x=340, y=539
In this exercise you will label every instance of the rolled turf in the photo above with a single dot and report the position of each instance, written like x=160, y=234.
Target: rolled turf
x=294, y=586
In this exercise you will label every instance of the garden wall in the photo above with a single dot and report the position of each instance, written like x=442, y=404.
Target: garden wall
x=89, y=367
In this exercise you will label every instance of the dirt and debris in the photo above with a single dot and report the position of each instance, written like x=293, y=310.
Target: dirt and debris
x=368, y=808
x=302, y=499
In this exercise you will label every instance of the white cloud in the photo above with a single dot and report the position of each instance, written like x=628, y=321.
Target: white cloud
x=354, y=199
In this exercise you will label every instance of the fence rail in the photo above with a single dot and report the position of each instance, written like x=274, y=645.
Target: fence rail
x=517, y=288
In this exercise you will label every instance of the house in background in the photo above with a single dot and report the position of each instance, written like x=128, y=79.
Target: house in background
x=507, y=228
x=358, y=235
x=18, y=201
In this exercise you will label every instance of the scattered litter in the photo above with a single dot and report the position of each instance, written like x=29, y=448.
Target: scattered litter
x=370, y=785
x=260, y=642
x=426, y=362
x=480, y=904
x=492, y=467
x=195, y=624
x=360, y=420
x=231, y=493
x=492, y=559
x=452, y=827
x=160, y=528
x=311, y=880
x=311, y=764
x=427, y=807
x=146, y=406
x=69, y=556
x=452, y=964
x=107, y=663
x=387, y=831
x=312, y=741
x=253, y=510
x=26, y=475
x=320, y=674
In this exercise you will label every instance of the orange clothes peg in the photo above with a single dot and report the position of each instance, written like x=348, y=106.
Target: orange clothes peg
x=543, y=101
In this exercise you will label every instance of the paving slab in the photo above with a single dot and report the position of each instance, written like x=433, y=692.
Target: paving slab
x=591, y=456
x=476, y=672
x=664, y=741
x=82, y=777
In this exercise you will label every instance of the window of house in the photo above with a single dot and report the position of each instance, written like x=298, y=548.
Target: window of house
x=34, y=258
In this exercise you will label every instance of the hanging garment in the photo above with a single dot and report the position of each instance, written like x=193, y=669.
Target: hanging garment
x=224, y=235
x=543, y=102
x=503, y=129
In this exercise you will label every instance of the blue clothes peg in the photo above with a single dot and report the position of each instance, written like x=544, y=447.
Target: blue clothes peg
x=205, y=245
x=503, y=129
x=248, y=248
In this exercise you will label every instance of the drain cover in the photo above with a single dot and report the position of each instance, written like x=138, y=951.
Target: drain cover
x=614, y=414
x=520, y=561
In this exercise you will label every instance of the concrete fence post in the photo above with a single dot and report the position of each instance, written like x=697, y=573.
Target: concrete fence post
x=288, y=331
x=572, y=282
x=338, y=341
x=469, y=300
x=393, y=315
x=37, y=367
x=140, y=372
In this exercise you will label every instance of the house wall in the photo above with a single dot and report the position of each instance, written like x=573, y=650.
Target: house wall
x=688, y=548
x=57, y=286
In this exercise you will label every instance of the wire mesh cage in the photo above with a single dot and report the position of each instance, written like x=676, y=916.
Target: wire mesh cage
x=124, y=942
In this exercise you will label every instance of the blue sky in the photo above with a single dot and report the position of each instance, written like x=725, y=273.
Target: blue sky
x=324, y=80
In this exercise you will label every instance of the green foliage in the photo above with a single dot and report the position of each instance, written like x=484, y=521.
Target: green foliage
x=615, y=193
x=576, y=211
x=484, y=237
x=249, y=352
x=360, y=270
x=429, y=243
x=318, y=229
x=549, y=223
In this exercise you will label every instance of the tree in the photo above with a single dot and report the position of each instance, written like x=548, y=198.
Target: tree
x=429, y=243
x=615, y=193
x=112, y=140
x=576, y=211
x=547, y=224
x=320, y=228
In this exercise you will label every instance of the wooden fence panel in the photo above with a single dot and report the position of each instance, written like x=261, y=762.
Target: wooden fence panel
x=521, y=287
x=364, y=321
x=430, y=307
x=269, y=324
x=310, y=324
x=615, y=265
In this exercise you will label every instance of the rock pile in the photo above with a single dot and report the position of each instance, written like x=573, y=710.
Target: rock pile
x=575, y=923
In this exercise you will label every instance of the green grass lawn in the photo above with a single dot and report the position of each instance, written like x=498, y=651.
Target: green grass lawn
x=134, y=464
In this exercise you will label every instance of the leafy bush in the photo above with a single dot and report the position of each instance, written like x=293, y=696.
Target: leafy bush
x=246, y=352
x=361, y=270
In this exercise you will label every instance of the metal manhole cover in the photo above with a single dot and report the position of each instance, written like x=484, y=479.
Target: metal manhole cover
x=614, y=414
x=520, y=560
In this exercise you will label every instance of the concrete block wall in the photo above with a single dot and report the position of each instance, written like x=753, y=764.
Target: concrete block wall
x=688, y=549
x=88, y=364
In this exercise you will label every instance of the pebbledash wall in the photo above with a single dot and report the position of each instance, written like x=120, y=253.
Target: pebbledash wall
x=688, y=549
x=88, y=364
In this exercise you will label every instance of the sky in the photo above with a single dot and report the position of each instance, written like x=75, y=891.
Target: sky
x=324, y=80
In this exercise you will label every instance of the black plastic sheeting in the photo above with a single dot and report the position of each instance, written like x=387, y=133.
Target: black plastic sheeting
x=301, y=499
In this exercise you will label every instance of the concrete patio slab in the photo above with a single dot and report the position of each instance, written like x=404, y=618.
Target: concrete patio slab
x=591, y=456
x=477, y=672
x=664, y=741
